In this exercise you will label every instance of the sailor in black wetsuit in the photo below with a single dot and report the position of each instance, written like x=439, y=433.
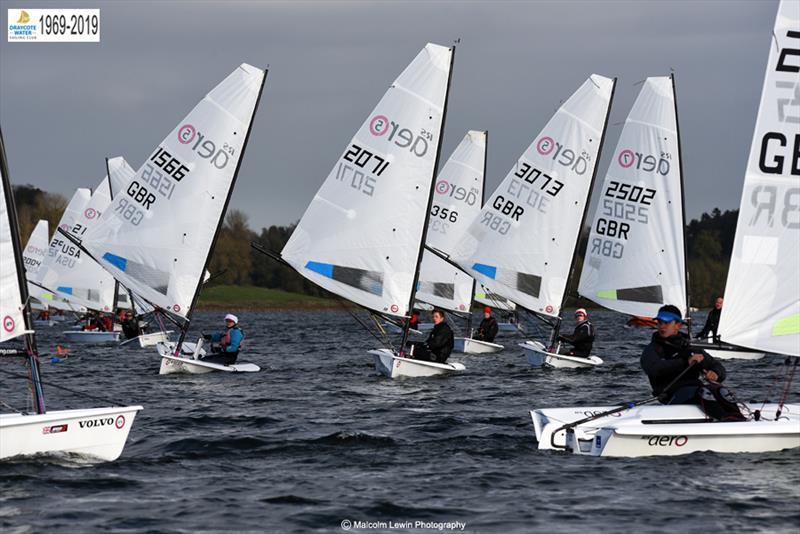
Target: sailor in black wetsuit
x=130, y=326
x=439, y=345
x=712, y=321
x=488, y=328
x=669, y=354
x=582, y=337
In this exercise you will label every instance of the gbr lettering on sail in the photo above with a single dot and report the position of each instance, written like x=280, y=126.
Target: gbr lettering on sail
x=779, y=153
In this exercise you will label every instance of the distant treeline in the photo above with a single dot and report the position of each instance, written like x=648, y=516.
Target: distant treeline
x=709, y=244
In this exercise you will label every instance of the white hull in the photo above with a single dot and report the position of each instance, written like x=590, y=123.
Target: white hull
x=96, y=433
x=91, y=336
x=186, y=364
x=148, y=340
x=42, y=323
x=538, y=356
x=735, y=355
x=665, y=431
x=393, y=366
x=473, y=346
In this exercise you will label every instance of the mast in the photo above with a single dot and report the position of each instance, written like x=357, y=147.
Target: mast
x=185, y=328
x=30, y=339
x=557, y=326
x=430, y=201
x=483, y=199
x=683, y=205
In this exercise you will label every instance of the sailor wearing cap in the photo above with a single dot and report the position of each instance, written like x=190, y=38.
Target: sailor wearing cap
x=230, y=342
x=582, y=337
x=667, y=358
x=488, y=327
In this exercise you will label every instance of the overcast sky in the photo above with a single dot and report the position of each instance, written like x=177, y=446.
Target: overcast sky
x=65, y=107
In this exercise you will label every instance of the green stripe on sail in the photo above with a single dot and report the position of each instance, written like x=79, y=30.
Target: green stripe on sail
x=610, y=294
x=480, y=296
x=47, y=296
x=787, y=326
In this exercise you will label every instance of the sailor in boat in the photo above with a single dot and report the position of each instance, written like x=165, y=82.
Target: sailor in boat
x=439, y=345
x=488, y=328
x=130, y=325
x=228, y=342
x=669, y=354
x=712, y=321
x=44, y=315
x=582, y=337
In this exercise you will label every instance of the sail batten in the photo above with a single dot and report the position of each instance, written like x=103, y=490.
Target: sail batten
x=762, y=293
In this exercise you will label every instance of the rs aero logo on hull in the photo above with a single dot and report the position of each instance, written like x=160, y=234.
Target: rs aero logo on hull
x=666, y=441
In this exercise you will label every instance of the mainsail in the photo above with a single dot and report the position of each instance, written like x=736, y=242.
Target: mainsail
x=762, y=294
x=522, y=243
x=635, y=259
x=360, y=237
x=457, y=199
x=158, y=233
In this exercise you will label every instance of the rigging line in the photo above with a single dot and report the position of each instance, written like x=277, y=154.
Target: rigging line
x=12, y=408
x=362, y=323
x=779, y=375
x=57, y=386
x=785, y=395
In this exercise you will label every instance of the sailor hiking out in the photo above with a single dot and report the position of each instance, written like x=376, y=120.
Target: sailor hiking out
x=228, y=342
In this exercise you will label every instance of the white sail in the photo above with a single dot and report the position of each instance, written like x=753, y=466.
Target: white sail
x=762, y=294
x=158, y=232
x=486, y=297
x=36, y=249
x=11, y=305
x=457, y=198
x=34, y=254
x=523, y=241
x=635, y=260
x=71, y=272
x=120, y=175
x=360, y=236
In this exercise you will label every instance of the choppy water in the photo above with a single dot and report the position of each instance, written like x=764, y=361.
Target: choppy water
x=318, y=437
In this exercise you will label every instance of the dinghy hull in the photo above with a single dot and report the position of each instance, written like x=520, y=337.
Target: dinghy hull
x=665, y=431
x=91, y=336
x=539, y=357
x=98, y=434
x=474, y=346
x=186, y=364
x=394, y=366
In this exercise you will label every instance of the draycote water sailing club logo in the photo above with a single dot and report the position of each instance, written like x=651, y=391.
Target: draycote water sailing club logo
x=381, y=125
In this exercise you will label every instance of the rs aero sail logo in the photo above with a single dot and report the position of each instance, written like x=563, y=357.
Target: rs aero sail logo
x=393, y=132
x=206, y=148
x=552, y=149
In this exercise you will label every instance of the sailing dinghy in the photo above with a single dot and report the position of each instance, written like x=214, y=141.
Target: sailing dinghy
x=524, y=241
x=457, y=200
x=362, y=236
x=762, y=302
x=157, y=237
x=93, y=433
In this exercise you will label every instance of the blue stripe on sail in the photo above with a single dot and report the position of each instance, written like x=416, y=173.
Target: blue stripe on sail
x=486, y=270
x=325, y=269
x=117, y=261
x=67, y=290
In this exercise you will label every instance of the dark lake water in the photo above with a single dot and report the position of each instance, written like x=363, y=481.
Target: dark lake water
x=318, y=437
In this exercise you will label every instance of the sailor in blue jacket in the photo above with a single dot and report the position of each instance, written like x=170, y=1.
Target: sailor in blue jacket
x=229, y=342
